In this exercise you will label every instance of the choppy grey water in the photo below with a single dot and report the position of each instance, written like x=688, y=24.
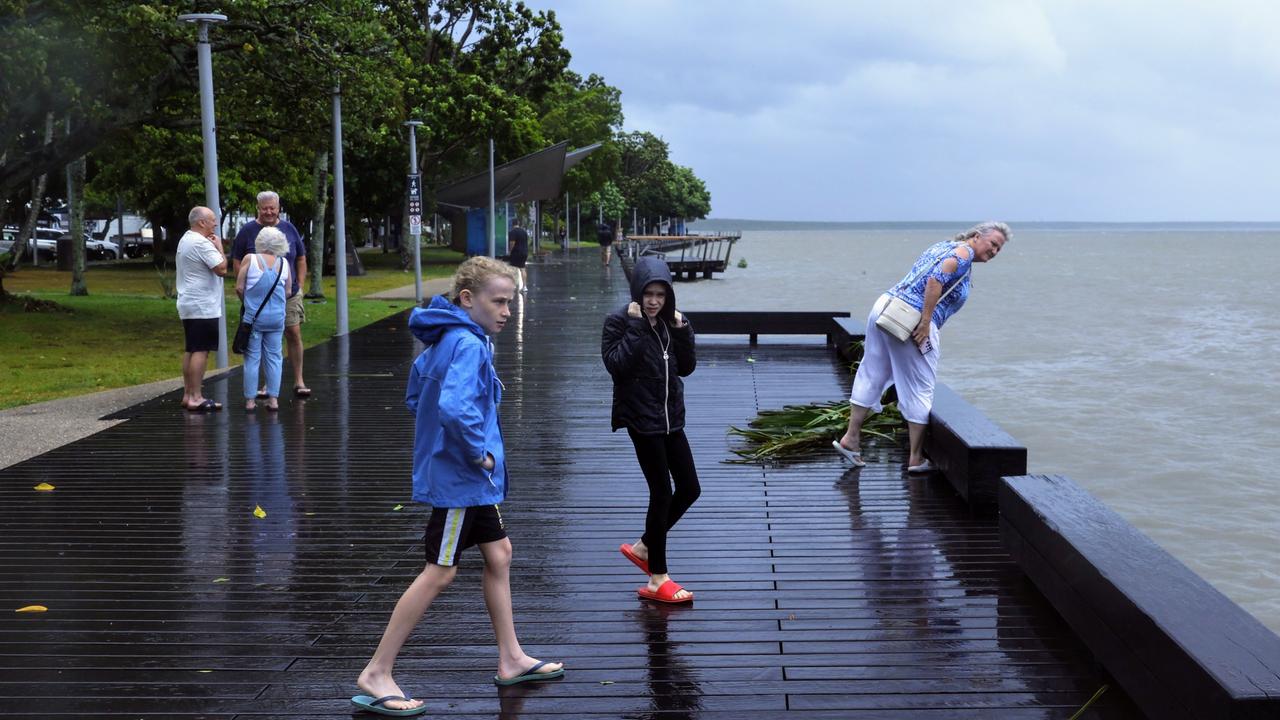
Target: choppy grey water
x=1106, y=351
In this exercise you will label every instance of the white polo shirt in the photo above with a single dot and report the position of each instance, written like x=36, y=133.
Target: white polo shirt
x=199, y=289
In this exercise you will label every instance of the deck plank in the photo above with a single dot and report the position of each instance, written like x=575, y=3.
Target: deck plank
x=820, y=591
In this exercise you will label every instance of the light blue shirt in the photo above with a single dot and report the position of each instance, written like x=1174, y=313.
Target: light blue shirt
x=929, y=265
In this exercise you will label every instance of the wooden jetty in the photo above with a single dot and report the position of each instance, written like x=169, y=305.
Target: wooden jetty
x=822, y=592
x=688, y=256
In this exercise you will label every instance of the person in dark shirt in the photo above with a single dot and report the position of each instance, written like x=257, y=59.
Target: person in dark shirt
x=604, y=235
x=518, y=252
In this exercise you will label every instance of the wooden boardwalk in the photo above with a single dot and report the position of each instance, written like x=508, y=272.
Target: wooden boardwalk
x=821, y=592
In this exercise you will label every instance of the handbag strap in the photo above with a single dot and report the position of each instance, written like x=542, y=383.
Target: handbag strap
x=267, y=297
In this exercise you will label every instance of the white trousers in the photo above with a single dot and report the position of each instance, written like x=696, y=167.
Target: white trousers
x=887, y=361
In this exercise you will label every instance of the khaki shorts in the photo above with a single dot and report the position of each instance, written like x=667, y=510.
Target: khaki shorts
x=295, y=313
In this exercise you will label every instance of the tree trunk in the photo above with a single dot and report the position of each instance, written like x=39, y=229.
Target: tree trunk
x=75, y=193
x=37, y=202
x=315, y=253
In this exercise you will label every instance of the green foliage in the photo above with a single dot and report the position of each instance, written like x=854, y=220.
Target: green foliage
x=654, y=185
x=742, y=263
x=609, y=200
x=125, y=72
x=776, y=435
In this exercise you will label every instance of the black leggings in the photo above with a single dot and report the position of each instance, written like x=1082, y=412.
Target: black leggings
x=664, y=458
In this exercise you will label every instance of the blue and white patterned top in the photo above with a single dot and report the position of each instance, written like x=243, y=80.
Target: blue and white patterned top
x=929, y=265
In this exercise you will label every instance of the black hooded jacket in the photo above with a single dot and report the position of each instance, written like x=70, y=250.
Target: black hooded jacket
x=648, y=394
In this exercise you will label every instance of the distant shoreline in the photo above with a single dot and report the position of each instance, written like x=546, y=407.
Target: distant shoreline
x=719, y=224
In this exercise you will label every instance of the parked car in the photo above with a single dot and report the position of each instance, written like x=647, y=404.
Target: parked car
x=7, y=238
x=101, y=249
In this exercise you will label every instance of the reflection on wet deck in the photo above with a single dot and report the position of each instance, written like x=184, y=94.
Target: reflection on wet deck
x=821, y=591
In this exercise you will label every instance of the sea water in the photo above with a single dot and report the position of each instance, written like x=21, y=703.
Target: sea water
x=1142, y=361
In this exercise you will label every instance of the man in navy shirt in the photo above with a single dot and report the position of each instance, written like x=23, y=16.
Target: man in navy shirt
x=295, y=313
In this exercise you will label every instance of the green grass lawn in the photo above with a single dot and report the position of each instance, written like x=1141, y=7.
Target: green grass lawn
x=125, y=332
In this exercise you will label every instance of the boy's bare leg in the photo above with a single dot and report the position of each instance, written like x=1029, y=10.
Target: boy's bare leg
x=376, y=678
x=497, y=598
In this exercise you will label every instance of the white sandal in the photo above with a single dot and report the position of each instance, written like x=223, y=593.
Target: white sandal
x=853, y=457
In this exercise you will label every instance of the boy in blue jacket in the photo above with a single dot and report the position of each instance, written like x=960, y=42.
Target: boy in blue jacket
x=460, y=470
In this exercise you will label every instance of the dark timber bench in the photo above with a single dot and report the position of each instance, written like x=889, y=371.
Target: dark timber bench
x=753, y=324
x=1180, y=648
x=970, y=449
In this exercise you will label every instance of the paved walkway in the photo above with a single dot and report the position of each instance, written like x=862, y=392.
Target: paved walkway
x=822, y=592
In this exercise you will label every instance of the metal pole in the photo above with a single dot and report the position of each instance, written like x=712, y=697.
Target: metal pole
x=210, y=140
x=493, y=208
x=417, y=237
x=339, y=215
x=578, y=210
x=565, y=242
x=634, y=229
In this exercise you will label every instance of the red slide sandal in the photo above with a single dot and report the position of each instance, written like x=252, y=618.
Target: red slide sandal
x=666, y=593
x=639, y=562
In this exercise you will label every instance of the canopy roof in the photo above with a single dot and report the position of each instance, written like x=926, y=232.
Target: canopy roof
x=536, y=176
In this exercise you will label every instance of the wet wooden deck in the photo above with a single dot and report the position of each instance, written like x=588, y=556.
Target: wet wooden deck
x=822, y=593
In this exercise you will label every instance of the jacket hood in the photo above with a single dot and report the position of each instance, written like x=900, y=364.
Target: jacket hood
x=430, y=323
x=648, y=270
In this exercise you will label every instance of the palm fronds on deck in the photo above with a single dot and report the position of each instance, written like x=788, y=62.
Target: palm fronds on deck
x=777, y=435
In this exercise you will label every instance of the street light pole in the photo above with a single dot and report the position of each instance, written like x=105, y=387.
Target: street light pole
x=205, y=56
x=417, y=236
x=339, y=215
x=493, y=208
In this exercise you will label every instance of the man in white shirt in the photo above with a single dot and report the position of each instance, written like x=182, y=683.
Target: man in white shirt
x=200, y=267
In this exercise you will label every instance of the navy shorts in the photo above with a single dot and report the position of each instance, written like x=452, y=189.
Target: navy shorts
x=452, y=530
x=202, y=334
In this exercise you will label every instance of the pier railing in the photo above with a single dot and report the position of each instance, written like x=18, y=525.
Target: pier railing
x=687, y=255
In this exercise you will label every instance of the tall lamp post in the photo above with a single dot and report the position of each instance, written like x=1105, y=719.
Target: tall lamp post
x=205, y=55
x=415, y=213
x=339, y=216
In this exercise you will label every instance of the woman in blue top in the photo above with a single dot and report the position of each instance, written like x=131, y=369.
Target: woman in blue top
x=937, y=286
x=264, y=300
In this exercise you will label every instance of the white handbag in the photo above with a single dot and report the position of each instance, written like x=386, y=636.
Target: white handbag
x=898, y=318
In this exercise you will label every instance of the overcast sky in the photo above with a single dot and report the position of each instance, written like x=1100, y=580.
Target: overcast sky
x=1117, y=110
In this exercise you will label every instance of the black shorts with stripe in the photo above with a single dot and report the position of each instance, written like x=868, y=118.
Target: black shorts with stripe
x=452, y=530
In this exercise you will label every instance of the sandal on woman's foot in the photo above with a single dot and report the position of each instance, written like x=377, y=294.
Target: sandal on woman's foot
x=301, y=391
x=666, y=593
x=847, y=454
x=207, y=406
x=924, y=467
x=631, y=555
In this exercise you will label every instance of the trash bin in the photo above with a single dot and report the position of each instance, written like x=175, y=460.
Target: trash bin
x=64, y=252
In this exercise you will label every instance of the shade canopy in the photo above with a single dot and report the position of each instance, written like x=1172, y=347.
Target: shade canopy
x=536, y=176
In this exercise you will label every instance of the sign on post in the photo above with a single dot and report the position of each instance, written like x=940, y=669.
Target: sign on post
x=415, y=205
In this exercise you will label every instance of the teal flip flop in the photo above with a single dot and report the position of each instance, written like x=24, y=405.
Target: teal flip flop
x=369, y=703
x=530, y=675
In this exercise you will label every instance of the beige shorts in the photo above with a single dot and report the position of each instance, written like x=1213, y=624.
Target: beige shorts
x=295, y=313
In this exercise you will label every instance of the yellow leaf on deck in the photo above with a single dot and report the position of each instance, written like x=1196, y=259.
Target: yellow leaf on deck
x=43, y=487
x=32, y=608
x=204, y=671
x=398, y=507
x=258, y=512
x=222, y=580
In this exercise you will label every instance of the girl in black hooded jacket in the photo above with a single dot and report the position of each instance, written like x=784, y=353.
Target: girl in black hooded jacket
x=648, y=347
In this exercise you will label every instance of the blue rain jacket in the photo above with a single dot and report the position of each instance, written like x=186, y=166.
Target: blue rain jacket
x=454, y=393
